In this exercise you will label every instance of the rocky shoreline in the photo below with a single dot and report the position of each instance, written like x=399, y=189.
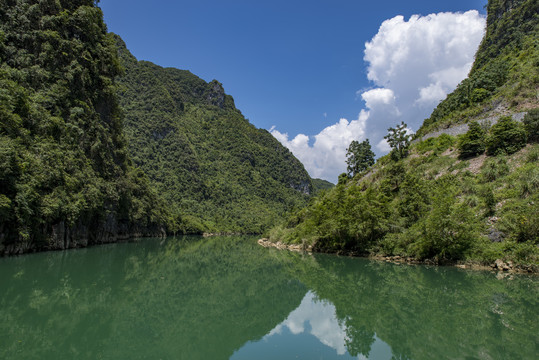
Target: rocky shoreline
x=282, y=246
x=498, y=266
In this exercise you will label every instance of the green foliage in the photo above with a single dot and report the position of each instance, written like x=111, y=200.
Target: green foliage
x=63, y=157
x=494, y=168
x=215, y=170
x=399, y=140
x=359, y=157
x=320, y=185
x=472, y=143
x=432, y=205
x=435, y=144
x=505, y=67
x=506, y=136
x=531, y=123
x=427, y=206
x=447, y=232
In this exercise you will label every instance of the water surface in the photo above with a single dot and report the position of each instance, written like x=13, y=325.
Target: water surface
x=228, y=298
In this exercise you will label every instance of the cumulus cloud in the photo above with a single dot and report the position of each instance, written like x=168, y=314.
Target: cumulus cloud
x=323, y=323
x=413, y=65
x=420, y=60
x=325, y=157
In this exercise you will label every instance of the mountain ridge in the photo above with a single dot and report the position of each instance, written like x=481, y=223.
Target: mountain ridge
x=217, y=171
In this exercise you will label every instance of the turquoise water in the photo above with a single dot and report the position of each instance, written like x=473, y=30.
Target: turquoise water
x=228, y=298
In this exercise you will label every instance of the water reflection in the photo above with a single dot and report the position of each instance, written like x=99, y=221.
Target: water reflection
x=315, y=330
x=320, y=319
x=227, y=297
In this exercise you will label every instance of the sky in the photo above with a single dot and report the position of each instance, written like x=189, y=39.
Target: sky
x=317, y=74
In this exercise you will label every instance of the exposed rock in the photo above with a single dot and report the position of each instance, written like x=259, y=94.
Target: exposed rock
x=216, y=94
x=60, y=236
x=463, y=128
x=495, y=235
x=282, y=246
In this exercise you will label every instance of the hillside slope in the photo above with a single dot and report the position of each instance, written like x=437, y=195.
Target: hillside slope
x=505, y=77
x=472, y=198
x=65, y=176
x=217, y=172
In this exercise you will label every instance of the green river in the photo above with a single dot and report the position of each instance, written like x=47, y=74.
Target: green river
x=228, y=298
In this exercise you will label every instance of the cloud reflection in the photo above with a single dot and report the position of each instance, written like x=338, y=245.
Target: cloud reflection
x=317, y=318
x=312, y=329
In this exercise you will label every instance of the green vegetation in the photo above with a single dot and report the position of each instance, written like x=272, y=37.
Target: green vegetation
x=436, y=200
x=399, y=141
x=472, y=143
x=359, y=157
x=216, y=171
x=506, y=136
x=531, y=124
x=64, y=168
x=505, y=71
x=320, y=185
x=71, y=175
x=429, y=206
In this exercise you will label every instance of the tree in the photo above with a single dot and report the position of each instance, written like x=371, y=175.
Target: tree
x=399, y=140
x=506, y=136
x=531, y=123
x=359, y=157
x=473, y=142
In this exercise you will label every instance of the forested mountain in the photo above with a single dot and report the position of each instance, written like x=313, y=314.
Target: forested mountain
x=65, y=175
x=320, y=185
x=472, y=198
x=217, y=172
x=505, y=76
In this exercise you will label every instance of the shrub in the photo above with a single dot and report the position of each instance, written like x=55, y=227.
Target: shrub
x=506, y=136
x=447, y=232
x=531, y=124
x=494, y=168
x=473, y=142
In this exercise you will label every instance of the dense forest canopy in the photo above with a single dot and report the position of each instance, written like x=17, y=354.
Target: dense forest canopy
x=217, y=172
x=72, y=175
x=63, y=158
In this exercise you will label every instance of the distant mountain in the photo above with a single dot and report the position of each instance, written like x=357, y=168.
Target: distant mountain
x=216, y=171
x=505, y=76
x=321, y=185
x=65, y=176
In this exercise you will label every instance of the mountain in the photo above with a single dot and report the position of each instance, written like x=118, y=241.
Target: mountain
x=320, y=185
x=470, y=197
x=215, y=170
x=504, y=77
x=65, y=176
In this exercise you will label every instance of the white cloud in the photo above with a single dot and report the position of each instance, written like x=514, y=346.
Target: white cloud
x=421, y=60
x=325, y=158
x=413, y=65
x=377, y=97
x=323, y=323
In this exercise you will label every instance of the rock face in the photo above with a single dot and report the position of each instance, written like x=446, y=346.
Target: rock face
x=304, y=187
x=216, y=94
x=63, y=237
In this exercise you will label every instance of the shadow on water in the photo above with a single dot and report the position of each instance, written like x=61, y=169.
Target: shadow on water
x=226, y=297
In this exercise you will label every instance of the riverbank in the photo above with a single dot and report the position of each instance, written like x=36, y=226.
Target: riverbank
x=498, y=266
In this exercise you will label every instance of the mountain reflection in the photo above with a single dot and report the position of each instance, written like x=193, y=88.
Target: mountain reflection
x=228, y=298
x=313, y=319
x=320, y=319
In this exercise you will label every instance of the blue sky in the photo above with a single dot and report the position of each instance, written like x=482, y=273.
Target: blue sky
x=299, y=67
